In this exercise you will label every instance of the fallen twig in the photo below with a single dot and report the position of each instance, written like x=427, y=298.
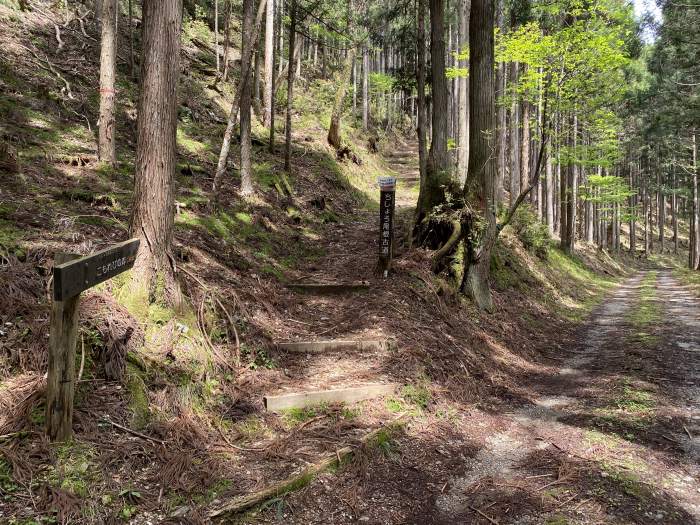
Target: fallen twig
x=134, y=432
x=484, y=515
x=688, y=432
x=58, y=37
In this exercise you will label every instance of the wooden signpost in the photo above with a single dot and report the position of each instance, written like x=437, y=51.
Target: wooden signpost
x=71, y=275
x=387, y=199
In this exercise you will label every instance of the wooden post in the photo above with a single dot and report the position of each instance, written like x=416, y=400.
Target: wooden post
x=71, y=275
x=387, y=199
x=60, y=383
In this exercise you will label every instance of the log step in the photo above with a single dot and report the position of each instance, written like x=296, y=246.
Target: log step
x=329, y=288
x=275, y=403
x=315, y=347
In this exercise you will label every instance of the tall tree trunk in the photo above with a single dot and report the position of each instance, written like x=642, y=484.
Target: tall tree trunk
x=233, y=115
x=107, y=151
x=216, y=35
x=365, y=89
x=674, y=209
x=549, y=193
x=153, y=209
x=660, y=210
x=645, y=211
x=525, y=144
x=334, y=138
x=131, y=38
x=269, y=61
x=514, y=138
x=255, y=98
x=463, y=96
x=564, y=205
x=632, y=205
x=227, y=39
x=482, y=163
x=694, y=250
x=420, y=82
x=572, y=183
x=246, y=100
x=290, y=88
x=354, y=89
x=438, y=176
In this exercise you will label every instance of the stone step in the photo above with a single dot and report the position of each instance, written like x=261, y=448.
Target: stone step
x=329, y=288
x=353, y=394
x=333, y=345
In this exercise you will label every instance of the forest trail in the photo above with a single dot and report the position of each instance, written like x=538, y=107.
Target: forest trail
x=627, y=398
x=403, y=160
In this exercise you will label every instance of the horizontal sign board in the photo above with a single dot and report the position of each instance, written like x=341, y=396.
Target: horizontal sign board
x=72, y=277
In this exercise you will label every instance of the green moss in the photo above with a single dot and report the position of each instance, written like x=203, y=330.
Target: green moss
x=74, y=470
x=627, y=482
x=557, y=519
x=138, y=397
x=7, y=484
x=10, y=238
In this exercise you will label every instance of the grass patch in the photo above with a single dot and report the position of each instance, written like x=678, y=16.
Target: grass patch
x=648, y=311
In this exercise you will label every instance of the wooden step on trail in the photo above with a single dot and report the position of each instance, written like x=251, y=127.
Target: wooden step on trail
x=329, y=288
x=333, y=345
x=286, y=401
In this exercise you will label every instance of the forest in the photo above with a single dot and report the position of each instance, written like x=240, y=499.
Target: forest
x=365, y=261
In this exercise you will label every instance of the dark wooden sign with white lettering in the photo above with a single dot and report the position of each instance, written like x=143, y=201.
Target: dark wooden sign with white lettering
x=387, y=197
x=72, y=277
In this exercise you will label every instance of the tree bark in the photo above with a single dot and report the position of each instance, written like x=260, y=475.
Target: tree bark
x=694, y=251
x=660, y=210
x=334, y=138
x=438, y=176
x=674, y=209
x=107, y=150
x=420, y=81
x=246, y=100
x=482, y=163
x=525, y=145
x=227, y=39
x=463, y=95
x=290, y=87
x=216, y=35
x=233, y=115
x=572, y=183
x=365, y=89
x=131, y=38
x=549, y=193
x=514, y=139
x=269, y=61
x=153, y=210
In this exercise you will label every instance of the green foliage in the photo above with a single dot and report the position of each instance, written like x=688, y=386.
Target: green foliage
x=532, y=233
x=608, y=191
x=417, y=394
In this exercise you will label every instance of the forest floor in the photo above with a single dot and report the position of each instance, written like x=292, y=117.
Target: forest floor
x=611, y=434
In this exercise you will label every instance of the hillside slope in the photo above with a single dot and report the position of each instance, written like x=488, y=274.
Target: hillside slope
x=192, y=387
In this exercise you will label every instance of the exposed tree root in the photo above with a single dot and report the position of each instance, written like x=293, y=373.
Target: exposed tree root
x=448, y=247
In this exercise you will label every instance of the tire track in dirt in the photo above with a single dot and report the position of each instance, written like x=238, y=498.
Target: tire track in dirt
x=654, y=463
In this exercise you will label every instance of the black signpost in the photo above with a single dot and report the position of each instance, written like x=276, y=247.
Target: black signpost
x=387, y=198
x=71, y=275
